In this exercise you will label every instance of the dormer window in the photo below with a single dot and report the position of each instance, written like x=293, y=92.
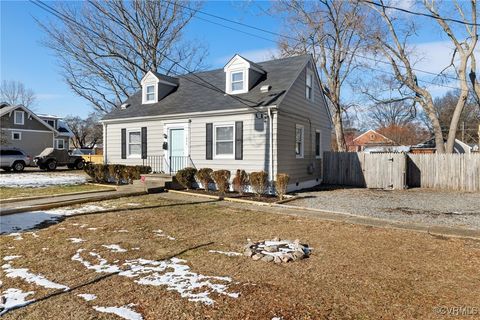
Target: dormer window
x=150, y=93
x=237, y=81
x=241, y=75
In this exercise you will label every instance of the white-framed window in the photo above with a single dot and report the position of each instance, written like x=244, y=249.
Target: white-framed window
x=309, y=85
x=299, y=140
x=318, y=144
x=19, y=117
x=224, y=140
x=237, y=81
x=134, y=143
x=59, y=144
x=16, y=135
x=150, y=93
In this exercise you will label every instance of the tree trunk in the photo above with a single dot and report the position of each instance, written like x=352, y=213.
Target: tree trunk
x=437, y=128
x=340, y=138
x=452, y=132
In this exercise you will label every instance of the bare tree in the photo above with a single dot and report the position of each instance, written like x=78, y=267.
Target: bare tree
x=331, y=31
x=393, y=44
x=464, y=50
x=15, y=93
x=105, y=47
x=86, y=132
x=396, y=113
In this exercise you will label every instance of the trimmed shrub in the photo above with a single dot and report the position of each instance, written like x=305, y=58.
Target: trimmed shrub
x=186, y=177
x=259, y=182
x=117, y=173
x=281, y=184
x=222, y=180
x=203, y=175
x=240, y=182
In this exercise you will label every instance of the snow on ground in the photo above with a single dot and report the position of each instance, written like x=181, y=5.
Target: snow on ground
x=229, y=253
x=28, y=220
x=124, y=312
x=76, y=240
x=17, y=235
x=12, y=298
x=114, y=248
x=24, y=274
x=87, y=296
x=8, y=258
x=37, y=180
x=160, y=233
x=174, y=273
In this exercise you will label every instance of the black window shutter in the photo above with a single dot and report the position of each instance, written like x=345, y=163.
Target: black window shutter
x=124, y=143
x=144, y=142
x=209, y=141
x=239, y=140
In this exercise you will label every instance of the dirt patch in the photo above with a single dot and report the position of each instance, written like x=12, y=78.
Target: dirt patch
x=353, y=272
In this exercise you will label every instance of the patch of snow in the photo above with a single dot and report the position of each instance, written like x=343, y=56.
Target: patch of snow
x=37, y=180
x=122, y=230
x=44, y=249
x=38, y=279
x=114, y=248
x=76, y=240
x=102, y=265
x=12, y=298
x=229, y=253
x=8, y=258
x=18, y=236
x=93, y=229
x=87, y=296
x=124, y=312
x=83, y=209
x=34, y=235
x=133, y=204
x=160, y=233
x=277, y=318
x=136, y=248
x=174, y=273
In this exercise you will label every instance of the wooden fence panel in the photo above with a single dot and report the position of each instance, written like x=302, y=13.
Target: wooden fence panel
x=398, y=170
x=445, y=171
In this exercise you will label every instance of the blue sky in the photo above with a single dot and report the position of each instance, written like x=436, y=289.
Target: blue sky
x=23, y=58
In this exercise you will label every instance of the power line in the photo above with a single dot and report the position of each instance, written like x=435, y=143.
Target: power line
x=420, y=13
x=207, y=85
x=294, y=39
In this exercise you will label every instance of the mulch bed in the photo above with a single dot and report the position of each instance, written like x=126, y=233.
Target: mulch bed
x=247, y=196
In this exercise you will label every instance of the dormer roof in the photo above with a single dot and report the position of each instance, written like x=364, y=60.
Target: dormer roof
x=250, y=64
x=160, y=78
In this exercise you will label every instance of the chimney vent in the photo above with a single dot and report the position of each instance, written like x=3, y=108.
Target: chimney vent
x=265, y=88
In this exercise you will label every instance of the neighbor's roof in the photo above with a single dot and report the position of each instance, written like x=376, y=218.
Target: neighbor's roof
x=195, y=97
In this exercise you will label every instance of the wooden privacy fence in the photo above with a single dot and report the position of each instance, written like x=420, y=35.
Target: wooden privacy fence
x=400, y=170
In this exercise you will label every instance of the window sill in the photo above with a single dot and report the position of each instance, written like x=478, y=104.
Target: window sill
x=224, y=157
x=134, y=156
x=299, y=156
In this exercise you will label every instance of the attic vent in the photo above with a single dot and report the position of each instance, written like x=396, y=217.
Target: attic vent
x=124, y=106
x=265, y=88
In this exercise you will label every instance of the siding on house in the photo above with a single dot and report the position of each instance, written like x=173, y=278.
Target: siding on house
x=30, y=123
x=255, y=141
x=32, y=142
x=313, y=115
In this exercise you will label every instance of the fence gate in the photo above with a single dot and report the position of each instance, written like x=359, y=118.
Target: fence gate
x=385, y=170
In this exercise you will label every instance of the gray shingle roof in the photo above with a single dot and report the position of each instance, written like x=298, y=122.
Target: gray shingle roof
x=192, y=95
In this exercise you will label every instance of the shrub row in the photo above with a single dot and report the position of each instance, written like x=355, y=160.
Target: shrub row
x=258, y=181
x=117, y=173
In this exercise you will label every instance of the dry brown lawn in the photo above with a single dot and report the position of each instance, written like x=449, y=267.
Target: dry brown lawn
x=355, y=272
x=6, y=192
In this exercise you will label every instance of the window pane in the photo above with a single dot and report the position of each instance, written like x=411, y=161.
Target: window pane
x=237, y=76
x=224, y=133
x=18, y=117
x=224, y=148
x=298, y=136
x=237, y=86
x=150, y=96
x=317, y=143
x=150, y=89
x=135, y=149
x=134, y=137
x=309, y=80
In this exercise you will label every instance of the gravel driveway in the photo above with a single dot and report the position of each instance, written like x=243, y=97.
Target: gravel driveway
x=426, y=206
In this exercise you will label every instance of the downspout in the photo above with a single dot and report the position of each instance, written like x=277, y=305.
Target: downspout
x=270, y=158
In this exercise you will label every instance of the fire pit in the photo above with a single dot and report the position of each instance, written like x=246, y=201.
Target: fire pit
x=277, y=250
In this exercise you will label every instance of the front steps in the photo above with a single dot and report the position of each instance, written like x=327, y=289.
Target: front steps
x=158, y=182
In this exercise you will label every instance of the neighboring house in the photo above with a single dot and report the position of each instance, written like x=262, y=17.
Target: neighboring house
x=429, y=147
x=273, y=117
x=62, y=140
x=22, y=128
x=368, y=139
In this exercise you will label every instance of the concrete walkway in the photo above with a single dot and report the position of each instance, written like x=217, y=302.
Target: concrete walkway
x=438, y=231
x=66, y=200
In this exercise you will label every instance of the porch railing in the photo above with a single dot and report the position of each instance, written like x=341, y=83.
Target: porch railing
x=169, y=165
